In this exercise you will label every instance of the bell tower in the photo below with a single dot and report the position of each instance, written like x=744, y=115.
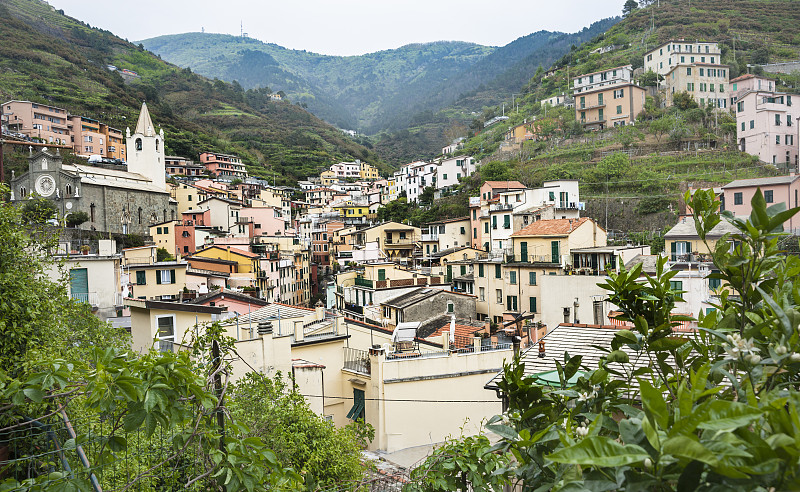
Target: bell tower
x=145, y=150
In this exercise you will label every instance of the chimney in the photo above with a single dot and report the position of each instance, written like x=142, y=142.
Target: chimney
x=264, y=327
x=541, y=349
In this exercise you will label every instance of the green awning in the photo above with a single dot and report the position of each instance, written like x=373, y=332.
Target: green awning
x=550, y=378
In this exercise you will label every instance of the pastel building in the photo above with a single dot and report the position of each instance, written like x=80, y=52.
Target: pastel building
x=695, y=68
x=46, y=123
x=766, y=123
x=223, y=164
x=607, y=98
x=736, y=196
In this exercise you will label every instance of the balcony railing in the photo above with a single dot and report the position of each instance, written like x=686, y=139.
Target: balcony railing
x=566, y=206
x=430, y=237
x=87, y=297
x=357, y=360
x=364, y=282
x=513, y=258
x=502, y=206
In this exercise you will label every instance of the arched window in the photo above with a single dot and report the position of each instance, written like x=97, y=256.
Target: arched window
x=22, y=192
x=68, y=189
x=138, y=144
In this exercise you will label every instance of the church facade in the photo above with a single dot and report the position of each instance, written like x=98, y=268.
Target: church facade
x=117, y=201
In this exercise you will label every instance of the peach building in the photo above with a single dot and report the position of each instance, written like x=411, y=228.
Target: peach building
x=779, y=189
x=223, y=164
x=47, y=123
x=692, y=67
x=607, y=98
x=766, y=122
x=86, y=137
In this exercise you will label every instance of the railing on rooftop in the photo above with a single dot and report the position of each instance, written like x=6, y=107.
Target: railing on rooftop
x=357, y=360
x=417, y=354
x=363, y=282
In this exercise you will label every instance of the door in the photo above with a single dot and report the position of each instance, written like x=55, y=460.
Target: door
x=79, y=284
x=523, y=252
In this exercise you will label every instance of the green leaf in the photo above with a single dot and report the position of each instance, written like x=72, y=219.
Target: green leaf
x=618, y=356
x=600, y=451
x=627, y=336
x=34, y=394
x=685, y=447
x=654, y=405
x=723, y=415
x=503, y=431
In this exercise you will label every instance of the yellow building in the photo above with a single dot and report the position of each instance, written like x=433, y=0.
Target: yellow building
x=151, y=279
x=187, y=196
x=247, y=271
x=167, y=326
x=366, y=171
x=683, y=243
x=328, y=178
x=163, y=235
x=349, y=210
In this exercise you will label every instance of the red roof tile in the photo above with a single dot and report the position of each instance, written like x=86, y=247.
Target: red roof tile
x=463, y=333
x=553, y=227
x=505, y=184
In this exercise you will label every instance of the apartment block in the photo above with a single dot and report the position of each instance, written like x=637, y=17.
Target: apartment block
x=223, y=165
x=46, y=123
x=766, y=125
x=695, y=68
x=607, y=98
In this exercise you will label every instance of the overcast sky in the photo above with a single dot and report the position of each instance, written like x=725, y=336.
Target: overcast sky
x=343, y=27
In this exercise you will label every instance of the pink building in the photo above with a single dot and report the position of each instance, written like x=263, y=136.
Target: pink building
x=766, y=122
x=223, y=165
x=46, y=123
x=263, y=221
x=780, y=189
x=236, y=302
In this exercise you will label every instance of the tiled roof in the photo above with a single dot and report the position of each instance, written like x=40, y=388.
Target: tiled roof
x=462, y=332
x=648, y=263
x=272, y=311
x=447, y=221
x=575, y=340
x=410, y=298
x=685, y=228
x=505, y=184
x=230, y=293
x=553, y=227
x=776, y=180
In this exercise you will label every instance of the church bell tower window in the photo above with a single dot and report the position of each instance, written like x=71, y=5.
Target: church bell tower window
x=138, y=144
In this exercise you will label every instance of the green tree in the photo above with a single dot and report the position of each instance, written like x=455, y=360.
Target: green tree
x=163, y=255
x=77, y=218
x=650, y=79
x=426, y=197
x=683, y=101
x=395, y=211
x=629, y=7
x=274, y=411
x=39, y=210
x=660, y=127
x=495, y=171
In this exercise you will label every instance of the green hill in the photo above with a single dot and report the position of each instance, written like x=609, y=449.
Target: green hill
x=48, y=57
x=633, y=178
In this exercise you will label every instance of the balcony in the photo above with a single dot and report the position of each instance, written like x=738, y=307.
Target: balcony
x=566, y=206
x=90, y=298
x=512, y=258
x=364, y=282
x=485, y=213
x=501, y=206
x=599, y=121
x=430, y=237
x=356, y=360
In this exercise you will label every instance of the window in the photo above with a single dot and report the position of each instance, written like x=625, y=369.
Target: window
x=619, y=109
x=512, y=275
x=474, y=233
x=450, y=307
x=690, y=86
x=714, y=283
x=463, y=231
x=689, y=70
x=532, y=307
x=619, y=94
x=141, y=277
x=494, y=222
x=499, y=293
x=788, y=120
x=743, y=126
x=497, y=272
x=702, y=72
x=778, y=139
x=506, y=222
x=138, y=144
x=480, y=269
x=600, y=99
x=166, y=332
x=444, y=176
x=511, y=303
x=357, y=411
x=165, y=276
x=740, y=106
x=752, y=124
x=486, y=227
x=768, y=197
x=482, y=293
x=789, y=139
x=737, y=198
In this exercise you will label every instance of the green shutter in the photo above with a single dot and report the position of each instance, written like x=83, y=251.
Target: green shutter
x=357, y=411
x=158, y=276
x=494, y=222
x=480, y=269
x=513, y=276
x=486, y=227
x=141, y=277
x=172, y=276
x=449, y=273
x=523, y=252
x=497, y=273
x=532, y=278
x=554, y=252
x=463, y=269
x=506, y=221
x=382, y=272
x=79, y=283
x=533, y=304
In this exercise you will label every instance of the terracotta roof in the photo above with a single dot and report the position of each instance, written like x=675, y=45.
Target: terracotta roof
x=505, y=184
x=464, y=333
x=553, y=227
x=447, y=221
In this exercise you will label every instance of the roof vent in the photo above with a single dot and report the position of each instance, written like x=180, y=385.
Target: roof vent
x=264, y=327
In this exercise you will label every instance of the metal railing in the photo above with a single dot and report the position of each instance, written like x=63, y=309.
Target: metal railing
x=87, y=297
x=363, y=282
x=398, y=356
x=357, y=360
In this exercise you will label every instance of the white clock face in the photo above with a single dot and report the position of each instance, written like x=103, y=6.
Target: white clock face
x=45, y=185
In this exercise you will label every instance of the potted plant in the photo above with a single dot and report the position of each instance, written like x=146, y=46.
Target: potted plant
x=85, y=249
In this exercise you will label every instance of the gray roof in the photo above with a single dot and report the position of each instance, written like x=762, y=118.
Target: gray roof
x=685, y=229
x=410, y=298
x=575, y=340
x=775, y=180
x=274, y=311
x=648, y=263
x=230, y=293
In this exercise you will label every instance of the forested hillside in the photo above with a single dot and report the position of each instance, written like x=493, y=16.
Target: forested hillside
x=51, y=58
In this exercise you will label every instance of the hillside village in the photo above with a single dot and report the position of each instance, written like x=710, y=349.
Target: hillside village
x=308, y=280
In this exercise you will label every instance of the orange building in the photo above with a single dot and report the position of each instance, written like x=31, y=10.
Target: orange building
x=223, y=165
x=607, y=98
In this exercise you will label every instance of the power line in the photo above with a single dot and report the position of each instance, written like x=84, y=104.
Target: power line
x=401, y=400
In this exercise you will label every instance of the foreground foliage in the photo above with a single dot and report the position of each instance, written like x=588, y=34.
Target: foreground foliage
x=714, y=410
